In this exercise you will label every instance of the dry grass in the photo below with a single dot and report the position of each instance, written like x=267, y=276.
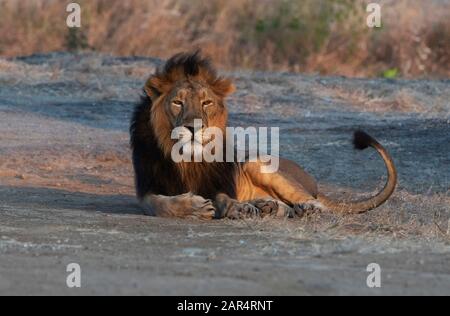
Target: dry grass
x=403, y=100
x=329, y=37
x=423, y=217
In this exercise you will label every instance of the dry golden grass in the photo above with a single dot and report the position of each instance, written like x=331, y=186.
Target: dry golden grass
x=329, y=37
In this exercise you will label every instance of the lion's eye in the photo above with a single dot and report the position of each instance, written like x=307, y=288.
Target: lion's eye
x=177, y=103
x=207, y=103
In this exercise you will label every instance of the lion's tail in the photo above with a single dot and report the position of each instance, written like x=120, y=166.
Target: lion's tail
x=362, y=141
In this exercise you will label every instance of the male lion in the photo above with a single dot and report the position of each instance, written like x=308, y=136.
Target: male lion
x=188, y=88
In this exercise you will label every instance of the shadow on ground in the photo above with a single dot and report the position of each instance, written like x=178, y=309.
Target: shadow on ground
x=31, y=198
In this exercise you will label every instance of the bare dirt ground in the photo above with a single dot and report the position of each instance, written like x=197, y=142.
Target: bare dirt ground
x=66, y=187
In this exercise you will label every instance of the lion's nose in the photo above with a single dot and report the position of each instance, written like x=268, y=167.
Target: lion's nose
x=191, y=127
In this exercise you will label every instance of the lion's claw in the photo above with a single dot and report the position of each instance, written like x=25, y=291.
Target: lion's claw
x=307, y=209
x=201, y=208
x=243, y=210
x=267, y=207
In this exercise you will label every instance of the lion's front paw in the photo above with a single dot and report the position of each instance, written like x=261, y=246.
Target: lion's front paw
x=243, y=210
x=190, y=206
x=202, y=208
x=268, y=207
x=179, y=206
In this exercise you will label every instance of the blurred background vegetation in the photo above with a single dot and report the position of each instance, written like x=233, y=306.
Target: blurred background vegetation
x=311, y=36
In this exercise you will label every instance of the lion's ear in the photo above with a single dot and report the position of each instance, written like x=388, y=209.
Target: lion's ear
x=223, y=87
x=154, y=87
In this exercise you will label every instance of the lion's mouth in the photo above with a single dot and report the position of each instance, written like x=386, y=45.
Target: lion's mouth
x=186, y=135
x=192, y=142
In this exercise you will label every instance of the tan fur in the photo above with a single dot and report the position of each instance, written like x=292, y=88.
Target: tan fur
x=289, y=192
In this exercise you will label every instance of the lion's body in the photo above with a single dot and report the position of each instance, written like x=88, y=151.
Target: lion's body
x=188, y=88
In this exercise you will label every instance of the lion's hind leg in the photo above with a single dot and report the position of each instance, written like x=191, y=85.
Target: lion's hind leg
x=284, y=187
x=308, y=208
x=264, y=207
x=273, y=208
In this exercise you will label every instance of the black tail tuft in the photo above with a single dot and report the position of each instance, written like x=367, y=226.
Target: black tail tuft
x=362, y=140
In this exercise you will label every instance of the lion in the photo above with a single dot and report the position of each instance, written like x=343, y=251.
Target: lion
x=188, y=88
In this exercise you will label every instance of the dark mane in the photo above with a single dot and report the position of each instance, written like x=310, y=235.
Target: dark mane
x=191, y=64
x=154, y=172
x=185, y=66
x=146, y=153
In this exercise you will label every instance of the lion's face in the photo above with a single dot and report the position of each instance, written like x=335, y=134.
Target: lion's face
x=187, y=91
x=189, y=101
x=192, y=107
